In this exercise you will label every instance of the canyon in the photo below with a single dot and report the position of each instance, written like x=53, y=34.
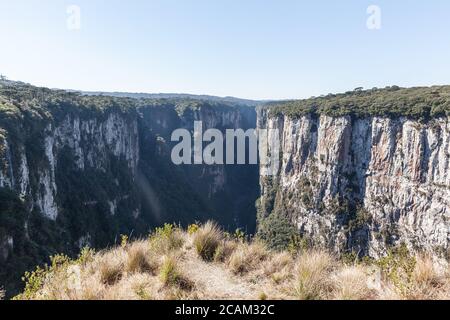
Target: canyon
x=80, y=170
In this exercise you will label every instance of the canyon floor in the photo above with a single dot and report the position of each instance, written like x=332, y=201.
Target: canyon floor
x=206, y=263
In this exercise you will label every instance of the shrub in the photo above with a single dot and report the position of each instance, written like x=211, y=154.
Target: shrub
x=207, y=240
x=362, y=219
x=123, y=240
x=239, y=235
x=298, y=244
x=193, y=228
x=34, y=280
x=276, y=231
x=86, y=256
x=167, y=238
x=59, y=261
x=398, y=267
x=142, y=293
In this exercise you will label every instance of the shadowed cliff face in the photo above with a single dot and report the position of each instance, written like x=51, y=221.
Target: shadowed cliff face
x=363, y=184
x=226, y=193
x=83, y=179
x=133, y=149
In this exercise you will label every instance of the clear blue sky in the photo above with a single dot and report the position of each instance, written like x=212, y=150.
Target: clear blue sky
x=246, y=48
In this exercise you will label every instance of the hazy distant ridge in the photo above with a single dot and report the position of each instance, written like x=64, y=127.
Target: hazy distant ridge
x=232, y=100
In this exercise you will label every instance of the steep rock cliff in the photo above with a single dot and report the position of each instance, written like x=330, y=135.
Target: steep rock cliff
x=362, y=184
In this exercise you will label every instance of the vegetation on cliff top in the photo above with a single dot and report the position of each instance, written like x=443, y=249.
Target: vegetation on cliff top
x=17, y=99
x=174, y=264
x=416, y=103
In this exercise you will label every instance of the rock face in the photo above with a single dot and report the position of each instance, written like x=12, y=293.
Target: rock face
x=90, y=141
x=134, y=146
x=363, y=184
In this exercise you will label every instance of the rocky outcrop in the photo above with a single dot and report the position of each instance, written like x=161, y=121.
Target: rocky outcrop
x=363, y=184
x=91, y=141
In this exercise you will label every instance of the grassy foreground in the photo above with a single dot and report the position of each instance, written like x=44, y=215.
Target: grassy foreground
x=206, y=263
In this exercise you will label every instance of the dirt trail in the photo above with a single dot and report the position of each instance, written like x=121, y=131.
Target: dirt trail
x=214, y=282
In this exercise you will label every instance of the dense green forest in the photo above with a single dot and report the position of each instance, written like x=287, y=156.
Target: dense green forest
x=416, y=103
x=17, y=98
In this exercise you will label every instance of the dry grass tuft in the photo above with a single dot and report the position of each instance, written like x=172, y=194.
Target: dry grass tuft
x=171, y=276
x=278, y=262
x=426, y=282
x=93, y=290
x=425, y=272
x=224, y=250
x=238, y=261
x=279, y=268
x=139, y=259
x=169, y=271
x=312, y=275
x=111, y=266
x=351, y=283
x=207, y=239
x=247, y=257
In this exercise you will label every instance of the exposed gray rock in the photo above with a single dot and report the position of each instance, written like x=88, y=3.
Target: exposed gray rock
x=396, y=171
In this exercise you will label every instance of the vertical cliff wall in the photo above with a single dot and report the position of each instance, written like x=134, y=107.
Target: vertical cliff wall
x=225, y=193
x=362, y=184
x=129, y=149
